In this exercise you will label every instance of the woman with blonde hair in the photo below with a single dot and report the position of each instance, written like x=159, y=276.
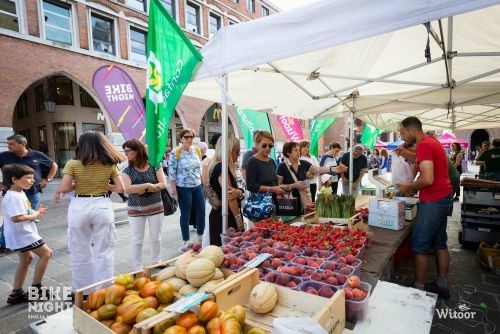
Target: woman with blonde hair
x=235, y=194
x=91, y=231
x=306, y=156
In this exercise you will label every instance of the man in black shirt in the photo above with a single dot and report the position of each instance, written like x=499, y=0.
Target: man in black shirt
x=19, y=154
x=360, y=166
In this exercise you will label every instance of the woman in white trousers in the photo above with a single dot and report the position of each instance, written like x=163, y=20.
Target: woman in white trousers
x=91, y=235
x=143, y=184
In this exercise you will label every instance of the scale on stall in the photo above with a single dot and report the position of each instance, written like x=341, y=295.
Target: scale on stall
x=379, y=181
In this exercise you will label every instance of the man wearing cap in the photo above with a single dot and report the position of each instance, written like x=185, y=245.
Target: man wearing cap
x=360, y=166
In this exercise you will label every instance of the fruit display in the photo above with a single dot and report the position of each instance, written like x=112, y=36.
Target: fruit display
x=330, y=205
x=364, y=213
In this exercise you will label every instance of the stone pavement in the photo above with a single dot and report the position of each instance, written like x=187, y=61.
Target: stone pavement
x=470, y=283
x=52, y=228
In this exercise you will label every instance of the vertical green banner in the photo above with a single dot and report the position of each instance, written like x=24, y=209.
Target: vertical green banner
x=172, y=59
x=318, y=128
x=251, y=120
x=369, y=136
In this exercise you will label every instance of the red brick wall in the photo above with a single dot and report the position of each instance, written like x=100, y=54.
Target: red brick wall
x=81, y=10
x=32, y=14
x=122, y=27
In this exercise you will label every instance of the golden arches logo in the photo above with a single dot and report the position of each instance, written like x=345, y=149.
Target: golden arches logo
x=155, y=78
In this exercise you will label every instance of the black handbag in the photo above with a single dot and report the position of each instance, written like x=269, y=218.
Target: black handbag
x=287, y=206
x=169, y=203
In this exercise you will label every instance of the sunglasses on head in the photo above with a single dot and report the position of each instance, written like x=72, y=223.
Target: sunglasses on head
x=267, y=145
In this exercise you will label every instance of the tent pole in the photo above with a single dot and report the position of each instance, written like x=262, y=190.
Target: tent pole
x=224, y=82
x=351, y=140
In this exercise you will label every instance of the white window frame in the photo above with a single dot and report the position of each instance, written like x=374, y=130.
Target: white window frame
x=129, y=40
x=249, y=8
x=143, y=10
x=72, y=13
x=115, y=30
x=176, y=9
x=221, y=22
x=20, y=15
x=265, y=8
x=200, y=15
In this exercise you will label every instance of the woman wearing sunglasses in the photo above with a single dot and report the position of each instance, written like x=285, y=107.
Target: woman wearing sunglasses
x=261, y=169
x=184, y=173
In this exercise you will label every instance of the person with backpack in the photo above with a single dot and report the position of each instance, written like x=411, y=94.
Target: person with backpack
x=184, y=173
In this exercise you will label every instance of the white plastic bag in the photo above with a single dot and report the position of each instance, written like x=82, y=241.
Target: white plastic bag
x=401, y=170
x=297, y=326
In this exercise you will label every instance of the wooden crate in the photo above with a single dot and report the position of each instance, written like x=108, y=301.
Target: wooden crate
x=83, y=323
x=329, y=313
x=313, y=218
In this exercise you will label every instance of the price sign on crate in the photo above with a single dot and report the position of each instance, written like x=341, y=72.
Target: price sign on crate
x=257, y=260
x=184, y=304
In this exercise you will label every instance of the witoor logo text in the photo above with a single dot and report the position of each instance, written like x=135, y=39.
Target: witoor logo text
x=462, y=312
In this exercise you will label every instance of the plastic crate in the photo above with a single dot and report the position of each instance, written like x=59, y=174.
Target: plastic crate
x=335, y=274
x=316, y=285
x=356, y=310
x=336, y=266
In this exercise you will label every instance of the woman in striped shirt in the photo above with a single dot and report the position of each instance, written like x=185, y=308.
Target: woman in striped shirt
x=91, y=231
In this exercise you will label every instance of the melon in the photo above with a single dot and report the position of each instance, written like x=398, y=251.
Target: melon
x=214, y=254
x=177, y=283
x=165, y=274
x=207, y=287
x=200, y=271
x=218, y=274
x=182, y=263
x=263, y=297
x=187, y=289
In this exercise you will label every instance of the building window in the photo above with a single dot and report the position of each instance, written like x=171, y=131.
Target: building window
x=9, y=15
x=86, y=127
x=214, y=24
x=193, y=19
x=22, y=107
x=251, y=6
x=86, y=100
x=103, y=34
x=140, y=5
x=170, y=6
x=265, y=11
x=61, y=90
x=64, y=142
x=43, y=145
x=236, y=1
x=39, y=98
x=26, y=133
x=57, y=22
x=232, y=22
x=138, y=42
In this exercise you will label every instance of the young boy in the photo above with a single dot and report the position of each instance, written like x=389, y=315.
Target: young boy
x=21, y=234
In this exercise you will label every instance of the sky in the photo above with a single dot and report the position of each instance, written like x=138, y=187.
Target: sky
x=288, y=4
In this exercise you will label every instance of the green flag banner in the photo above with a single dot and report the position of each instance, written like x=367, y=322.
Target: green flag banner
x=251, y=120
x=369, y=136
x=318, y=128
x=172, y=59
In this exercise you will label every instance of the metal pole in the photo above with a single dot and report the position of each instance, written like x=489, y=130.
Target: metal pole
x=224, y=82
x=351, y=140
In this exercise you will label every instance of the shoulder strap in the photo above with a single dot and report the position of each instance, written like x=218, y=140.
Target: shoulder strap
x=178, y=152
x=198, y=151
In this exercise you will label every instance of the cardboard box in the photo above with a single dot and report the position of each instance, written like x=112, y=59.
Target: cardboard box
x=410, y=212
x=329, y=313
x=385, y=221
x=386, y=207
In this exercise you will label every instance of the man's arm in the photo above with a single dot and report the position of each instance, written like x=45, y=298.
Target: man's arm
x=425, y=179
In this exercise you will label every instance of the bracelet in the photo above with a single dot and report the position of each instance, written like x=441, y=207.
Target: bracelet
x=268, y=189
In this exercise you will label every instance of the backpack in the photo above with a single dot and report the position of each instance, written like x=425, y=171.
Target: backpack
x=178, y=152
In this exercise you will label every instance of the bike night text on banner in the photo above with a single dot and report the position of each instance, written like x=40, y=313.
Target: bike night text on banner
x=318, y=128
x=172, y=59
x=369, y=136
x=291, y=128
x=250, y=121
x=122, y=100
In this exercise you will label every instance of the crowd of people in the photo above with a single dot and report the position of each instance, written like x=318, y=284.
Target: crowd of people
x=195, y=181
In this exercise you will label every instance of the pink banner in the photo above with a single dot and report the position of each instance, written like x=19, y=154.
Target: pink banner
x=291, y=128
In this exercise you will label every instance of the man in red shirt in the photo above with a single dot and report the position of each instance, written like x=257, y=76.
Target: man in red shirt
x=434, y=188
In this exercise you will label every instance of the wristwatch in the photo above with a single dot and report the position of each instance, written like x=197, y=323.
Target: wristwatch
x=49, y=179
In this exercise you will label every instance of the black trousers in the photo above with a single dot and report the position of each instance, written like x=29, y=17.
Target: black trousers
x=313, y=187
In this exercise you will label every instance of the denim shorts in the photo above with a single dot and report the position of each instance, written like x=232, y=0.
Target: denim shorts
x=429, y=228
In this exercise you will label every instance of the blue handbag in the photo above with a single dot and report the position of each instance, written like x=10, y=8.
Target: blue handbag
x=259, y=206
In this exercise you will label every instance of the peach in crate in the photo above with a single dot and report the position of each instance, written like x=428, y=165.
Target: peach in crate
x=329, y=277
x=317, y=253
x=283, y=279
x=297, y=270
x=233, y=262
x=338, y=267
x=309, y=261
x=318, y=289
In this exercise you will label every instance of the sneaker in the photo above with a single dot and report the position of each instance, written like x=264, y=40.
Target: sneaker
x=17, y=298
x=441, y=292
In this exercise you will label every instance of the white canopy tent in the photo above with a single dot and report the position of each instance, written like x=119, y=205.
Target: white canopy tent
x=305, y=62
x=364, y=59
